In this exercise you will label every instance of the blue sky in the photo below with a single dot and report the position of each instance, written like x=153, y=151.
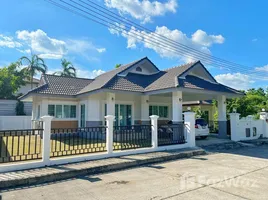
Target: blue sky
x=232, y=30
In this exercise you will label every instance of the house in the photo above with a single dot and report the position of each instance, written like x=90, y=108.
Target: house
x=132, y=93
x=8, y=106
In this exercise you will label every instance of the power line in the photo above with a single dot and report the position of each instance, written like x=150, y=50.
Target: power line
x=112, y=24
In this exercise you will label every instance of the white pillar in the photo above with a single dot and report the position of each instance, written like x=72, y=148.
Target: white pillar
x=263, y=116
x=145, y=119
x=109, y=133
x=189, y=121
x=222, y=108
x=44, y=107
x=46, y=139
x=34, y=109
x=110, y=98
x=234, y=123
x=154, y=124
x=177, y=106
x=222, y=120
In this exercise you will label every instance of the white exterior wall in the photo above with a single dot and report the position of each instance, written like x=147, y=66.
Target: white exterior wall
x=239, y=126
x=26, y=88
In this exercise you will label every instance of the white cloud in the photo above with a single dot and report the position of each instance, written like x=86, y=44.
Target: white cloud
x=38, y=42
x=262, y=69
x=143, y=10
x=101, y=50
x=236, y=80
x=9, y=42
x=89, y=74
x=200, y=40
x=41, y=43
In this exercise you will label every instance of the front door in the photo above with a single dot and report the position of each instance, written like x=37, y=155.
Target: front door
x=83, y=115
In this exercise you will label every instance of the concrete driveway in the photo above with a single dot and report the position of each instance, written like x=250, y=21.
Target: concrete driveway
x=235, y=174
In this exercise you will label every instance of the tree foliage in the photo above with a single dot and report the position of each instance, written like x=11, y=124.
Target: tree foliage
x=20, y=108
x=118, y=65
x=33, y=65
x=68, y=69
x=11, y=79
x=251, y=104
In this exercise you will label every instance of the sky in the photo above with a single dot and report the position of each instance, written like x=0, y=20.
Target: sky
x=232, y=30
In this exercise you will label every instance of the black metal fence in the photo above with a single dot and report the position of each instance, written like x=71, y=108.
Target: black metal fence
x=171, y=134
x=20, y=145
x=132, y=137
x=74, y=141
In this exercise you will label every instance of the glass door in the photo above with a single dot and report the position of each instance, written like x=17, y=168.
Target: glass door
x=83, y=116
x=125, y=116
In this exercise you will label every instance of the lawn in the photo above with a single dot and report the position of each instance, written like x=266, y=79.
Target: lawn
x=28, y=147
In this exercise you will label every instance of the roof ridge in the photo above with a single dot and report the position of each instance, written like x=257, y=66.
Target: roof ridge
x=68, y=77
x=189, y=63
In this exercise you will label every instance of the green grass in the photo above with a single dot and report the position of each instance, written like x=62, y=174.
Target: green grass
x=16, y=148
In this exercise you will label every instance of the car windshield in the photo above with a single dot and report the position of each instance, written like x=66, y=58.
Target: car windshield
x=201, y=122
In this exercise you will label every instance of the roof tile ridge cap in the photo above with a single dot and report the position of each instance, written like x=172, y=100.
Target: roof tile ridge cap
x=91, y=79
x=189, y=63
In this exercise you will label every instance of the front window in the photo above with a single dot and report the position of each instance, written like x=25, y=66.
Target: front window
x=161, y=111
x=62, y=111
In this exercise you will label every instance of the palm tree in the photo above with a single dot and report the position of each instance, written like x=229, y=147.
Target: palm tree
x=33, y=65
x=118, y=65
x=68, y=69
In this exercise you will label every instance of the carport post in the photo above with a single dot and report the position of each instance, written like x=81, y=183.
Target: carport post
x=154, y=124
x=189, y=122
x=109, y=133
x=46, y=139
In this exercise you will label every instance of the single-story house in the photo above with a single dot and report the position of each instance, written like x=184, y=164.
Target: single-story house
x=132, y=93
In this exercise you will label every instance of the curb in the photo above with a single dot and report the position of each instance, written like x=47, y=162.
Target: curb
x=58, y=176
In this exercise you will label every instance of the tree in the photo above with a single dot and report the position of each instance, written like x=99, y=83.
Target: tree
x=34, y=65
x=118, y=65
x=68, y=69
x=20, y=108
x=11, y=79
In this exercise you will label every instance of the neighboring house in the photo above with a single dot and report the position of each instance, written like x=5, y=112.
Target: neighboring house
x=132, y=93
x=7, y=107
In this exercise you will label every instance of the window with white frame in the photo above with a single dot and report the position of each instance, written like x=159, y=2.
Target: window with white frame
x=161, y=111
x=62, y=111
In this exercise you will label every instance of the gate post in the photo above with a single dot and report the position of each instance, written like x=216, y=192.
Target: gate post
x=234, y=123
x=109, y=133
x=189, y=121
x=154, y=124
x=46, y=139
x=263, y=116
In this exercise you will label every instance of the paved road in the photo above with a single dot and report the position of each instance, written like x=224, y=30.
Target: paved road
x=236, y=174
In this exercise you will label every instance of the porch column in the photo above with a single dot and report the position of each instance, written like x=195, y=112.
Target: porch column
x=222, y=120
x=145, y=110
x=110, y=98
x=34, y=109
x=44, y=108
x=177, y=107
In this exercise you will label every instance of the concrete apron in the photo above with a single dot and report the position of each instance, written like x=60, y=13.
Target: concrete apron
x=61, y=172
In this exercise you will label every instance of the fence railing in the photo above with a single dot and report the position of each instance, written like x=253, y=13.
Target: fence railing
x=73, y=141
x=20, y=145
x=132, y=137
x=171, y=134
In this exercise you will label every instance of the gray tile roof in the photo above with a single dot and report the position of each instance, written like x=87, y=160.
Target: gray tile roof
x=170, y=78
x=103, y=79
x=57, y=85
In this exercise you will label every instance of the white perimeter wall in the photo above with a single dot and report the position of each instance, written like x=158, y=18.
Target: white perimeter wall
x=15, y=122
